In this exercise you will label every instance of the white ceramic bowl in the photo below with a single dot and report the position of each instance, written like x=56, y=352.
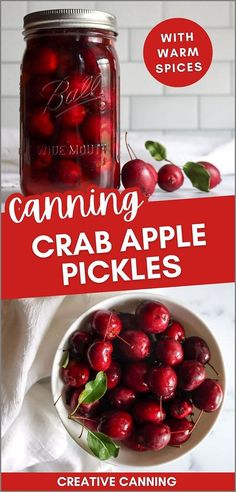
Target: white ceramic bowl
x=193, y=326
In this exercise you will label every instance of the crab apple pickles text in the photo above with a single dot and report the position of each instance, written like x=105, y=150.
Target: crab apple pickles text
x=130, y=263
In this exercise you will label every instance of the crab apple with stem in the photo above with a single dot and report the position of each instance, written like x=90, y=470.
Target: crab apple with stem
x=148, y=411
x=162, y=381
x=191, y=374
x=208, y=396
x=137, y=173
x=152, y=316
x=135, y=376
x=117, y=424
x=134, y=345
x=169, y=352
x=75, y=374
x=180, y=430
x=99, y=355
x=105, y=324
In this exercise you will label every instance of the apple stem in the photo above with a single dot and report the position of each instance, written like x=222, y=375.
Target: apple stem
x=174, y=446
x=161, y=405
x=212, y=367
x=199, y=416
x=108, y=324
x=54, y=404
x=129, y=148
x=122, y=339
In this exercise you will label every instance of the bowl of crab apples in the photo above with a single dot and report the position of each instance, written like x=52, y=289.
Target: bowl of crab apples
x=138, y=380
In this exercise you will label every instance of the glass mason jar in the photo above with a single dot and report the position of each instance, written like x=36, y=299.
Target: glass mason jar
x=69, y=102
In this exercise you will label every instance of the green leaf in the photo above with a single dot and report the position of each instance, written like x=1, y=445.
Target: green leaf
x=198, y=175
x=93, y=391
x=156, y=150
x=65, y=359
x=102, y=446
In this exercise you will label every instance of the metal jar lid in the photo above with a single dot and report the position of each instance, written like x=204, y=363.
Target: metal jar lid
x=62, y=18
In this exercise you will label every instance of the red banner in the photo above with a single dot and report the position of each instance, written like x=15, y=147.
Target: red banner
x=107, y=241
x=118, y=481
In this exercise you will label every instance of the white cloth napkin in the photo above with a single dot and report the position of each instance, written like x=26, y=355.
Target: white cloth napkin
x=32, y=432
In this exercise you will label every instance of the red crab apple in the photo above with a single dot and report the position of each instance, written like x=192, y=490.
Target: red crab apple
x=66, y=172
x=79, y=342
x=73, y=116
x=169, y=351
x=155, y=436
x=180, y=408
x=106, y=324
x=76, y=373
x=180, y=430
x=70, y=138
x=162, y=381
x=135, y=376
x=134, y=345
x=215, y=177
x=45, y=62
x=121, y=397
x=118, y=425
x=97, y=129
x=170, y=177
x=133, y=442
x=99, y=355
x=190, y=375
x=175, y=330
x=148, y=411
x=42, y=161
x=113, y=375
x=41, y=124
x=152, y=316
x=208, y=396
x=97, y=165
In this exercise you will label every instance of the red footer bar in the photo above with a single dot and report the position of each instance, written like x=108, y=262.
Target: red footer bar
x=118, y=481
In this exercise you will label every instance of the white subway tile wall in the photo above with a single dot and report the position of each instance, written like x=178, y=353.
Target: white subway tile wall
x=145, y=104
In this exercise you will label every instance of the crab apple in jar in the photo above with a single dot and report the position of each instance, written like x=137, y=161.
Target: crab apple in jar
x=99, y=355
x=162, y=381
x=66, y=173
x=97, y=165
x=135, y=376
x=148, y=411
x=134, y=345
x=113, y=374
x=71, y=139
x=117, y=424
x=41, y=124
x=170, y=177
x=190, y=375
x=73, y=116
x=78, y=87
x=152, y=316
x=175, y=330
x=169, y=352
x=208, y=396
x=155, y=436
x=42, y=161
x=215, y=176
x=45, y=62
x=97, y=129
x=76, y=373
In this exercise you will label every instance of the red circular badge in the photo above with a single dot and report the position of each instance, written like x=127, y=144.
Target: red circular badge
x=177, y=52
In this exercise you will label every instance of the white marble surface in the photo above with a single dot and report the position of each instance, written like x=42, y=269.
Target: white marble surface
x=215, y=304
